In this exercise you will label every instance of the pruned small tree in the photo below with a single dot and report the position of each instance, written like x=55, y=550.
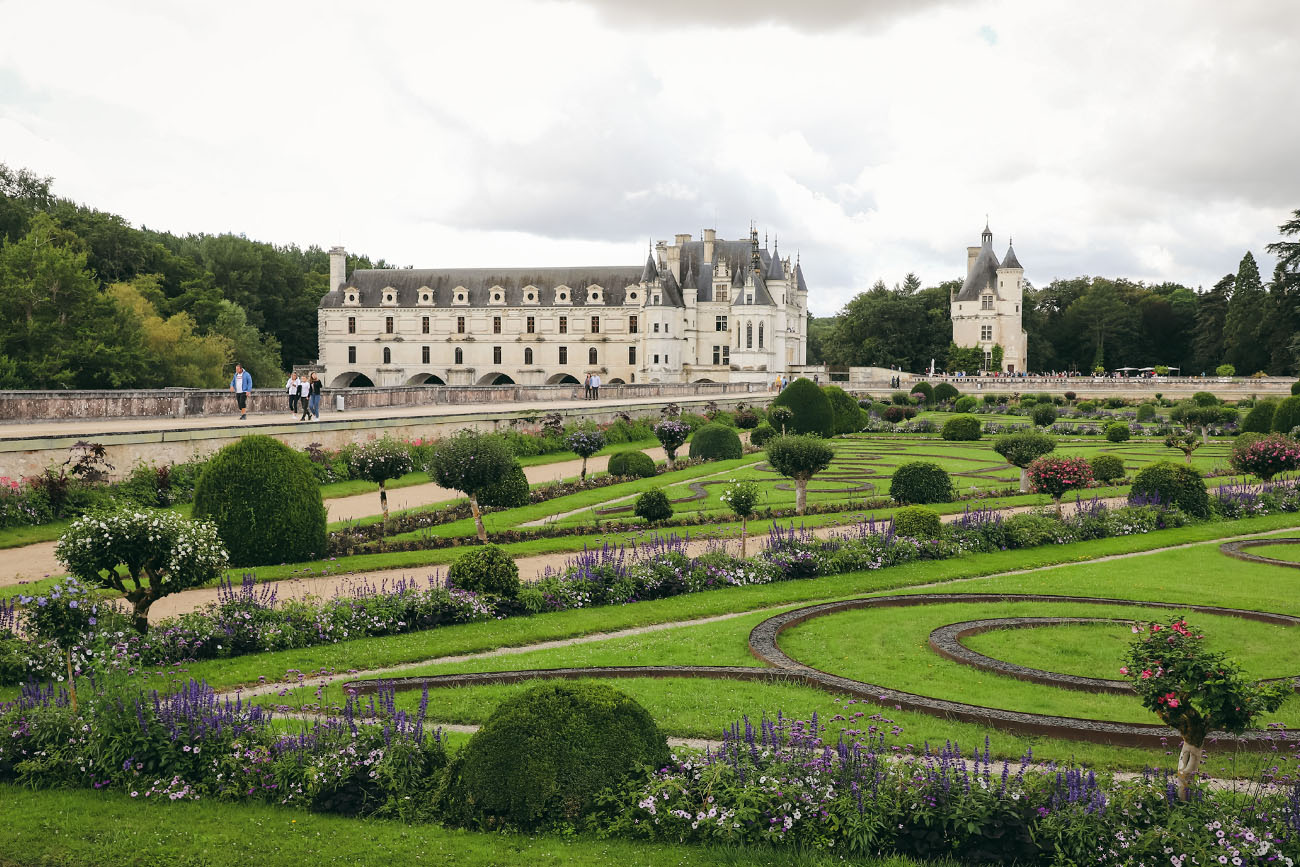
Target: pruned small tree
x=1193, y=690
x=1202, y=417
x=469, y=462
x=379, y=461
x=779, y=417
x=671, y=434
x=65, y=615
x=143, y=554
x=741, y=496
x=1268, y=456
x=799, y=458
x=1055, y=476
x=1022, y=448
x=1185, y=443
x=585, y=442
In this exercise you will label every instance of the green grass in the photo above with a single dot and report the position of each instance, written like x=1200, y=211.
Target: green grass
x=110, y=829
x=1290, y=553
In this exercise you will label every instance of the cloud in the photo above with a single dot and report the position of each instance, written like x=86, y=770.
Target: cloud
x=809, y=16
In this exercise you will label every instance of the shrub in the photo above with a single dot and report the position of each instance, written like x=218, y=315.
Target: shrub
x=1238, y=450
x=1205, y=398
x=899, y=413
x=926, y=389
x=543, y=755
x=918, y=522
x=1044, y=415
x=762, y=435
x=965, y=403
x=1054, y=475
x=1086, y=406
x=584, y=442
x=716, y=442
x=1028, y=401
x=945, y=391
x=962, y=427
x=746, y=419
x=1023, y=448
x=1260, y=417
x=990, y=399
x=921, y=482
x=1115, y=402
x=263, y=499
x=1146, y=412
x=846, y=415
x=1295, y=387
x=1117, y=432
x=653, y=507
x=509, y=492
x=901, y=398
x=1172, y=484
x=1287, y=415
x=469, y=462
x=799, y=458
x=1107, y=468
x=486, y=569
x=811, y=408
x=1070, y=396
x=638, y=465
x=1268, y=456
x=1031, y=531
x=780, y=417
x=1226, y=370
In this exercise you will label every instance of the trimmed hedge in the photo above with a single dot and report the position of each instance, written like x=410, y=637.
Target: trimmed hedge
x=921, y=482
x=1117, y=432
x=543, y=755
x=509, y=493
x=1174, y=485
x=635, y=464
x=1287, y=415
x=653, y=506
x=746, y=419
x=265, y=502
x=811, y=408
x=1260, y=418
x=965, y=403
x=962, y=427
x=486, y=569
x=1044, y=415
x=926, y=389
x=716, y=442
x=945, y=391
x=1107, y=468
x=847, y=416
x=917, y=522
x=1146, y=412
x=762, y=434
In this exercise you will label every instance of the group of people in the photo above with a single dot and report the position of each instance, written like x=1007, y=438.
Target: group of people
x=304, y=393
x=592, y=387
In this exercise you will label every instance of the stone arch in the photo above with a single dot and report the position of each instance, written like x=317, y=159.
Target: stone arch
x=352, y=379
x=563, y=379
x=616, y=381
x=704, y=380
x=494, y=378
x=425, y=379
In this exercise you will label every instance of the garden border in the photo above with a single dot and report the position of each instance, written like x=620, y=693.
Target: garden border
x=1234, y=549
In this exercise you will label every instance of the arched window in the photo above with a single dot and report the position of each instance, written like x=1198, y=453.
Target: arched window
x=760, y=335
x=528, y=355
x=460, y=355
x=591, y=355
x=749, y=335
x=388, y=355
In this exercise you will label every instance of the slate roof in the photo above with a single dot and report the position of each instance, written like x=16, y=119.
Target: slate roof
x=1011, y=261
x=984, y=274
x=479, y=282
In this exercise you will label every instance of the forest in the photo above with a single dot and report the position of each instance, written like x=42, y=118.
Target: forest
x=1087, y=322
x=89, y=301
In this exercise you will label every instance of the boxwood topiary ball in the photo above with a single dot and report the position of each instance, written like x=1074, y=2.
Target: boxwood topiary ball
x=1172, y=484
x=486, y=570
x=508, y=493
x=920, y=482
x=653, y=506
x=637, y=465
x=716, y=442
x=918, y=522
x=961, y=428
x=264, y=500
x=543, y=755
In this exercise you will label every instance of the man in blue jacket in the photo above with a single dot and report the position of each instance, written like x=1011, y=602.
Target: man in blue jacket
x=241, y=385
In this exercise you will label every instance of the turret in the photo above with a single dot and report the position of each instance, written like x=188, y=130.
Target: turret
x=338, y=267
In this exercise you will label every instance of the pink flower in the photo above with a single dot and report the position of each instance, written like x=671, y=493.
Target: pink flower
x=1146, y=675
x=1123, y=670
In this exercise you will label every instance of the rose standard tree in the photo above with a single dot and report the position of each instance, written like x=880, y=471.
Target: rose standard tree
x=584, y=442
x=379, y=461
x=142, y=554
x=65, y=616
x=1193, y=690
x=469, y=463
x=1055, y=476
x=741, y=497
x=671, y=434
x=799, y=458
x=1022, y=449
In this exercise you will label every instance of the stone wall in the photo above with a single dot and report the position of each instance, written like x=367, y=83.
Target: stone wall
x=20, y=406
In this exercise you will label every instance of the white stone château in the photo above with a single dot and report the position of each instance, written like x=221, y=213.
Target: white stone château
x=986, y=312
x=706, y=310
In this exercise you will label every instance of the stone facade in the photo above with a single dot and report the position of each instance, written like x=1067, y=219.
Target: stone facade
x=707, y=310
x=986, y=311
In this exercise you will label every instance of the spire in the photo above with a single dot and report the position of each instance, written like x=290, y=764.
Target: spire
x=650, y=272
x=755, y=261
x=774, y=269
x=1010, y=261
x=987, y=237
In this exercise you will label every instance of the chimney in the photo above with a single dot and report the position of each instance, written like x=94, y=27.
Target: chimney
x=710, y=235
x=972, y=253
x=338, y=267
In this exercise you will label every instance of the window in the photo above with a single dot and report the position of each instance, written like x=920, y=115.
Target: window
x=631, y=355
x=719, y=323
x=656, y=328
x=460, y=355
x=496, y=324
x=564, y=325
x=564, y=355
x=656, y=358
x=532, y=325
x=749, y=335
x=388, y=325
x=722, y=355
x=352, y=355
x=388, y=355
x=352, y=325
x=631, y=325
x=496, y=355
x=424, y=324
x=988, y=360
x=460, y=324
x=760, y=335
x=528, y=355
x=721, y=293
x=986, y=332
x=986, y=302
x=726, y=355
x=595, y=325
x=591, y=355
x=656, y=300
x=424, y=355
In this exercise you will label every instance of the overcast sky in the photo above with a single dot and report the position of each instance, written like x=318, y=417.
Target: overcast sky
x=1156, y=141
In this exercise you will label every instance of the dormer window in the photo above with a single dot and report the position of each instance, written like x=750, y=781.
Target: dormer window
x=426, y=296
x=562, y=295
x=460, y=295
x=722, y=293
x=986, y=302
x=390, y=296
x=531, y=294
x=594, y=295
x=497, y=295
x=351, y=298
x=631, y=296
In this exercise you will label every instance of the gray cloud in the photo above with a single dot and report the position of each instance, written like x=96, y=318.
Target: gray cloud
x=808, y=16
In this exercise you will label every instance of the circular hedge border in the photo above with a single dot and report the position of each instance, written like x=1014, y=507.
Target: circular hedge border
x=1235, y=549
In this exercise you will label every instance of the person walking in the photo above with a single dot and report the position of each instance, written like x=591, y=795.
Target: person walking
x=315, y=389
x=304, y=398
x=595, y=386
x=241, y=384
x=292, y=388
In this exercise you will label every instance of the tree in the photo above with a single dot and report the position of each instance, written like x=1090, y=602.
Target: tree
x=142, y=554
x=1246, y=319
x=584, y=442
x=259, y=353
x=1193, y=690
x=967, y=358
x=1284, y=294
x=1268, y=456
x=1055, y=476
x=65, y=616
x=741, y=497
x=1192, y=414
x=1186, y=443
x=469, y=462
x=671, y=434
x=1022, y=449
x=799, y=458
x=1103, y=314
x=1211, y=316
x=996, y=355
x=780, y=417
x=181, y=357
x=378, y=461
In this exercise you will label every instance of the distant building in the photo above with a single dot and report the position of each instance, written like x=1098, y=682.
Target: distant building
x=706, y=310
x=986, y=311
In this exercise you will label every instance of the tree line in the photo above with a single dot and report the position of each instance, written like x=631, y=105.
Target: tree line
x=89, y=301
x=1088, y=322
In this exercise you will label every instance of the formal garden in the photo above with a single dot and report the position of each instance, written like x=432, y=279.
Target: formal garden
x=921, y=628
